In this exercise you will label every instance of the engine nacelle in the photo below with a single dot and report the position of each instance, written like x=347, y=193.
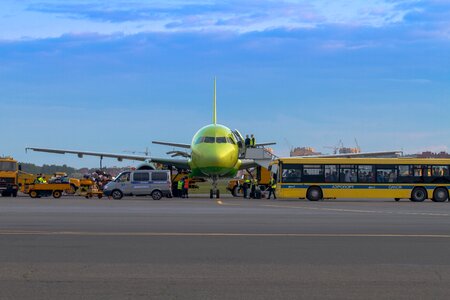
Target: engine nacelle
x=146, y=166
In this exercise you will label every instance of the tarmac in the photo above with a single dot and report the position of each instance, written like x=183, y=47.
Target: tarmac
x=198, y=248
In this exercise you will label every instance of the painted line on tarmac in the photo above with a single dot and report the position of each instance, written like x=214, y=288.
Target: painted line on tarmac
x=220, y=202
x=217, y=234
x=362, y=211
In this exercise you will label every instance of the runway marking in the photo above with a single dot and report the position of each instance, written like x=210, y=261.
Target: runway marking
x=362, y=211
x=220, y=202
x=216, y=234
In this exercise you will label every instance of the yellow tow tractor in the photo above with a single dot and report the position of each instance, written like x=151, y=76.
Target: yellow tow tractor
x=260, y=173
x=88, y=189
x=38, y=190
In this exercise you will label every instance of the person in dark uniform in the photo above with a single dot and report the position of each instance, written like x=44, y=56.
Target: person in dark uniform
x=247, y=141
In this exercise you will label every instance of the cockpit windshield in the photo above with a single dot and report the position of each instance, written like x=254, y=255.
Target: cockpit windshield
x=218, y=140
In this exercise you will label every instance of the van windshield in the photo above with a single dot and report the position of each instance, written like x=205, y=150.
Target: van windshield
x=123, y=177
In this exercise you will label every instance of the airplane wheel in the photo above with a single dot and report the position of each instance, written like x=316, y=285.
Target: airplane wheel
x=217, y=194
x=211, y=194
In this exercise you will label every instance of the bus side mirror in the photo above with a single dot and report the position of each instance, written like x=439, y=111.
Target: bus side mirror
x=20, y=167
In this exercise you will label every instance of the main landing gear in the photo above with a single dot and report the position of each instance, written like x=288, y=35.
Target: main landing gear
x=214, y=191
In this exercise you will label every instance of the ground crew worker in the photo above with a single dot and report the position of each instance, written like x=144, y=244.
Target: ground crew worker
x=44, y=180
x=253, y=189
x=180, y=188
x=39, y=179
x=247, y=141
x=252, y=141
x=186, y=188
x=272, y=188
x=246, y=186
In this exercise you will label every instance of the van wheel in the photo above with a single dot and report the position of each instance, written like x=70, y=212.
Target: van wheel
x=117, y=195
x=440, y=194
x=33, y=194
x=57, y=194
x=418, y=194
x=157, y=195
x=314, y=193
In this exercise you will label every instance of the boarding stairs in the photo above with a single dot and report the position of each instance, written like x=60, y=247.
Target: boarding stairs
x=260, y=155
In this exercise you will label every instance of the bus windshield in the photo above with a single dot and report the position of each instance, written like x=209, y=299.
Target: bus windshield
x=8, y=166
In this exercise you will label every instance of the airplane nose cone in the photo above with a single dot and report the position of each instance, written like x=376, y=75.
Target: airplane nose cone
x=217, y=161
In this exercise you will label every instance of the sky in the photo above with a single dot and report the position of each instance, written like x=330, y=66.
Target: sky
x=114, y=75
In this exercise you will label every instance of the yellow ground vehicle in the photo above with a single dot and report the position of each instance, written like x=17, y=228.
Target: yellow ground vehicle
x=46, y=189
x=88, y=189
x=261, y=174
x=8, y=177
x=396, y=178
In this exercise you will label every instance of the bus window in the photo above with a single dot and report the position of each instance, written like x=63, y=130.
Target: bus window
x=365, y=174
x=331, y=174
x=313, y=173
x=386, y=174
x=292, y=173
x=347, y=173
x=440, y=174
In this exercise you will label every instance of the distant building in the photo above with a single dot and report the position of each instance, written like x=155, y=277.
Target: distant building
x=429, y=154
x=304, y=151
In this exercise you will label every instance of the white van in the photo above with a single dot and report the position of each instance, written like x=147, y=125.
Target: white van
x=156, y=183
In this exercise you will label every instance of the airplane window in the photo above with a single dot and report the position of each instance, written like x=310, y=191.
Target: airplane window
x=230, y=141
x=209, y=139
x=221, y=140
x=199, y=140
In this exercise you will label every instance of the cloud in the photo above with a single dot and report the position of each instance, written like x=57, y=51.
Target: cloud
x=233, y=14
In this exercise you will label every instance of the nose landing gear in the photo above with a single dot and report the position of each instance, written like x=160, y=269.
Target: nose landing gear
x=214, y=191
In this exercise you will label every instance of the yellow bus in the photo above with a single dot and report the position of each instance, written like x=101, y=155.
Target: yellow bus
x=330, y=178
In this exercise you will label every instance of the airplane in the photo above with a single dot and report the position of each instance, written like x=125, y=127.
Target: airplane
x=215, y=152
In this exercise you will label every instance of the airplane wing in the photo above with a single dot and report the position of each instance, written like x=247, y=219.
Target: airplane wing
x=247, y=163
x=187, y=146
x=178, y=163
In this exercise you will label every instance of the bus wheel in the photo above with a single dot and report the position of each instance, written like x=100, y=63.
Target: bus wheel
x=314, y=193
x=33, y=194
x=397, y=199
x=440, y=194
x=57, y=194
x=419, y=194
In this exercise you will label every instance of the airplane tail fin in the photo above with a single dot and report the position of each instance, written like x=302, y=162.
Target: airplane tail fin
x=214, y=104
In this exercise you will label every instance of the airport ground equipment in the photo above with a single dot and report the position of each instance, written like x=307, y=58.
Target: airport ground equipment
x=8, y=177
x=88, y=188
x=317, y=178
x=260, y=173
x=38, y=190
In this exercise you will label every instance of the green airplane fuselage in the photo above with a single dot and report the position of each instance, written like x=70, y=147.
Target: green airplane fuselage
x=215, y=152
